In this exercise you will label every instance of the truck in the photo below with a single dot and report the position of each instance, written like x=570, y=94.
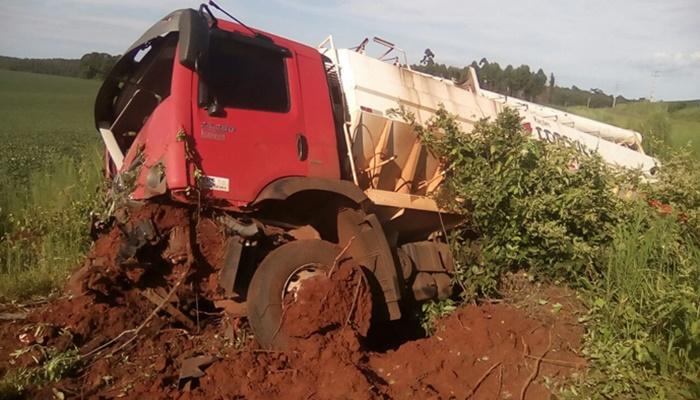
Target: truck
x=294, y=153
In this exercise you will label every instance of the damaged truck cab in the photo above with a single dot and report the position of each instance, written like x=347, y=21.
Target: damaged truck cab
x=206, y=113
x=201, y=104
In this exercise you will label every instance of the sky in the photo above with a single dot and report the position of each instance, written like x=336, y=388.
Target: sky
x=637, y=48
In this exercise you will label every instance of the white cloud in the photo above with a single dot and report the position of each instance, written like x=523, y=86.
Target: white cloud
x=676, y=61
x=592, y=43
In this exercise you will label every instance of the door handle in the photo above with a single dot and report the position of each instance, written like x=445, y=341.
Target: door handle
x=302, y=147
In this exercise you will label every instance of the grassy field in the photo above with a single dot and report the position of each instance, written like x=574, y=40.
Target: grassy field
x=49, y=179
x=675, y=123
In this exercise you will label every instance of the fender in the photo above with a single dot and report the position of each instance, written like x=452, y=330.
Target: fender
x=284, y=188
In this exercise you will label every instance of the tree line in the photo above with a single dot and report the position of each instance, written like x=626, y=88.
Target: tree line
x=89, y=66
x=522, y=82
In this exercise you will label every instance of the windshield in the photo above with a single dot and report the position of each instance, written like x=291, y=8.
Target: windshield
x=138, y=83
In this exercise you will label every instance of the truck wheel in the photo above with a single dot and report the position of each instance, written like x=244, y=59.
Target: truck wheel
x=282, y=272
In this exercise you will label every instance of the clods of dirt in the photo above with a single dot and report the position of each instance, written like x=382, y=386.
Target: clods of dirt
x=488, y=351
x=135, y=347
x=325, y=304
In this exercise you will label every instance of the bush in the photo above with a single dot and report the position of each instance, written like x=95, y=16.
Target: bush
x=530, y=203
x=570, y=217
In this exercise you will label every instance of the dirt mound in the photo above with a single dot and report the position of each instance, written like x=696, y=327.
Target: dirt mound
x=326, y=304
x=146, y=326
x=492, y=350
x=329, y=317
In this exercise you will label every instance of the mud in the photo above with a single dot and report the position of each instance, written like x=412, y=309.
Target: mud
x=503, y=350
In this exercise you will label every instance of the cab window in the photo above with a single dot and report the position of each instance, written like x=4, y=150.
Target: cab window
x=246, y=76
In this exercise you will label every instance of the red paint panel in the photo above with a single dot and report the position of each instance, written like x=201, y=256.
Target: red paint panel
x=318, y=117
x=158, y=137
x=250, y=148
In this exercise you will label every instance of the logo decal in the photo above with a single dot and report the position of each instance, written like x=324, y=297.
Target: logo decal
x=216, y=131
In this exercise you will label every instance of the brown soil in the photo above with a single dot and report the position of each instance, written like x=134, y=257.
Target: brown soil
x=498, y=350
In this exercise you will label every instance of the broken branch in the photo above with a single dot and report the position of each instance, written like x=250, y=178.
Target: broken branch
x=557, y=362
x=482, y=379
x=138, y=329
x=360, y=278
x=536, y=371
x=338, y=257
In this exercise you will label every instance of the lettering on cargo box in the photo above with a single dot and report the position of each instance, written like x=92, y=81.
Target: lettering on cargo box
x=214, y=183
x=216, y=131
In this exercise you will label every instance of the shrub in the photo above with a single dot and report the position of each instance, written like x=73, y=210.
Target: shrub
x=570, y=217
x=530, y=203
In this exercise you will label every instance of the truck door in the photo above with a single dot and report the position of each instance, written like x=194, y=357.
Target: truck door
x=255, y=133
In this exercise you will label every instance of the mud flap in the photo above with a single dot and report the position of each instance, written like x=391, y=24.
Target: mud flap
x=370, y=249
x=232, y=259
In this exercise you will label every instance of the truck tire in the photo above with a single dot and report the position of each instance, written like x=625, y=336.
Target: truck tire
x=285, y=266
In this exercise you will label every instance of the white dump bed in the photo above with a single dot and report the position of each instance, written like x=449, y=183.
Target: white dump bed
x=372, y=86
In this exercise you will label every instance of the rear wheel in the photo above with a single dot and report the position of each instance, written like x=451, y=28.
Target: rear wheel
x=281, y=274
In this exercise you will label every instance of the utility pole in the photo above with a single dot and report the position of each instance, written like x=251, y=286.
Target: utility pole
x=617, y=90
x=654, y=75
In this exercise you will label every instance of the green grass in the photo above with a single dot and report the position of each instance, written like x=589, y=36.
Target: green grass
x=51, y=366
x=682, y=119
x=643, y=336
x=49, y=179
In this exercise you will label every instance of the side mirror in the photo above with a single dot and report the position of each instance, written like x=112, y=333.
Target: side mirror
x=194, y=38
x=214, y=109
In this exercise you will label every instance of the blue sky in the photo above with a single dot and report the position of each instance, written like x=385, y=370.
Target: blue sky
x=615, y=45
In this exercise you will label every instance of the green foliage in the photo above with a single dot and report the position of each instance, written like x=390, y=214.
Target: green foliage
x=47, y=237
x=96, y=65
x=522, y=82
x=631, y=247
x=91, y=65
x=55, y=366
x=643, y=336
x=49, y=181
x=527, y=203
x=50, y=66
x=675, y=124
x=433, y=311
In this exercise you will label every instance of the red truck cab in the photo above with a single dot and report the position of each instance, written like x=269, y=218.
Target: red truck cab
x=205, y=106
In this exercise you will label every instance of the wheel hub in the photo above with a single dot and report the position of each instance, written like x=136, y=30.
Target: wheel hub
x=297, y=278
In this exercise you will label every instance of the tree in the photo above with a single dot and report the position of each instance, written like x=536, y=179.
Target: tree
x=520, y=79
x=505, y=84
x=428, y=57
x=96, y=65
x=491, y=76
x=536, y=85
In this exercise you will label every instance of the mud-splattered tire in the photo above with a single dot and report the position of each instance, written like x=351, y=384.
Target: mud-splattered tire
x=266, y=290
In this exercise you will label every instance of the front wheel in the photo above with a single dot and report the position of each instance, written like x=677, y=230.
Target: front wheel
x=282, y=272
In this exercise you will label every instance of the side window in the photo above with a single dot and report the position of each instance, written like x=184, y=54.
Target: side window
x=247, y=76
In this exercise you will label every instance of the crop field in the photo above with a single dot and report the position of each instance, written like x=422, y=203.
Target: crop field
x=578, y=285
x=675, y=123
x=49, y=177
x=44, y=117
